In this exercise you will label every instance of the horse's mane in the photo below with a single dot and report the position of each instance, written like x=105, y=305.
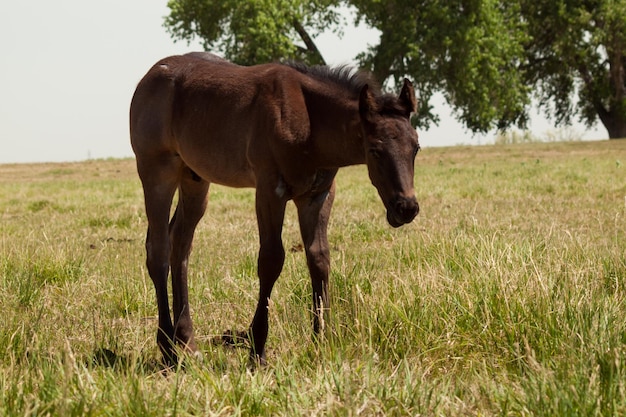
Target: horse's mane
x=352, y=80
x=344, y=76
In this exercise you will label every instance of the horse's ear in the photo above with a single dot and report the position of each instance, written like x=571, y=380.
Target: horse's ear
x=407, y=97
x=367, y=103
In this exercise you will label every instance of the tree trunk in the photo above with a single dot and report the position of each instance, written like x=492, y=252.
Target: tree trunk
x=615, y=123
x=618, y=132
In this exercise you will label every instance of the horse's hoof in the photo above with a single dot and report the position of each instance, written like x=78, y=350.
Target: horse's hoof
x=170, y=359
x=197, y=356
x=256, y=361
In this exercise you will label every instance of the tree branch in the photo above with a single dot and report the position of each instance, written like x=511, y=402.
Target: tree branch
x=308, y=41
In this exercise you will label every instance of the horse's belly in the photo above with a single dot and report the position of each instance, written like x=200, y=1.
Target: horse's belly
x=231, y=169
x=240, y=179
x=213, y=140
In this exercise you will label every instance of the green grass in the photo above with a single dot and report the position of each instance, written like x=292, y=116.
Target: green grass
x=505, y=297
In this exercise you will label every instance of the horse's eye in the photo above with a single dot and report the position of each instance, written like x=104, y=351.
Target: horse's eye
x=375, y=153
x=416, y=151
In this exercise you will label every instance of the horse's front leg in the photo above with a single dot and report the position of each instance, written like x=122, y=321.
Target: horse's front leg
x=270, y=210
x=313, y=215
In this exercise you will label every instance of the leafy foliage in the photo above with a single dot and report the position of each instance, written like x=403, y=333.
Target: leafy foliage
x=489, y=58
x=254, y=31
x=461, y=48
x=579, y=48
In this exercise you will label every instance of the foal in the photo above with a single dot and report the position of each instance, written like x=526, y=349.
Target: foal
x=285, y=130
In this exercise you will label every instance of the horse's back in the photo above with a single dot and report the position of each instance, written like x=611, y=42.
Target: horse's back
x=208, y=56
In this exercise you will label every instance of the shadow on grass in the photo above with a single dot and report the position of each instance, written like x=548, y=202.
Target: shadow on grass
x=108, y=359
x=233, y=339
x=230, y=340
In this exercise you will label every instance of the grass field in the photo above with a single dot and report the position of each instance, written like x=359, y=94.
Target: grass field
x=506, y=296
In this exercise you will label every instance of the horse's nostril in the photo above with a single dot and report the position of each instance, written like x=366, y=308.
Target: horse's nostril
x=406, y=209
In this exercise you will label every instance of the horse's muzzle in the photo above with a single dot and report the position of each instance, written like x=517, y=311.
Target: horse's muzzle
x=402, y=211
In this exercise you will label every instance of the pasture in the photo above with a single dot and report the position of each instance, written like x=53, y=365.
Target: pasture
x=506, y=295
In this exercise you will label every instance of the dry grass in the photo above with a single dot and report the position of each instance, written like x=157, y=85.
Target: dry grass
x=505, y=297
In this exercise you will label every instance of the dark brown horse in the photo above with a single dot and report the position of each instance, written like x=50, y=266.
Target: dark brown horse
x=284, y=129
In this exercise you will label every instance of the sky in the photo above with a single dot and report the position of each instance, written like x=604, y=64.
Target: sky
x=69, y=69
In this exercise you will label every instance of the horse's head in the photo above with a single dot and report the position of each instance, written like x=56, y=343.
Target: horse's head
x=391, y=145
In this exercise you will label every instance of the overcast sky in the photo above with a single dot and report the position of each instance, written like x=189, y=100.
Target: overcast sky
x=69, y=68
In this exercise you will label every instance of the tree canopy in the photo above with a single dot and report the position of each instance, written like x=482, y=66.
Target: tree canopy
x=254, y=31
x=489, y=58
x=460, y=48
x=576, y=60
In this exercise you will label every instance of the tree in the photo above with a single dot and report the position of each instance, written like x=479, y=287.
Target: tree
x=489, y=58
x=578, y=48
x=254, y=31
x=464, y=49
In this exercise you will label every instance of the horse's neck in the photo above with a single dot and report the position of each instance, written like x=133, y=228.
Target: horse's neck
x=336, y=132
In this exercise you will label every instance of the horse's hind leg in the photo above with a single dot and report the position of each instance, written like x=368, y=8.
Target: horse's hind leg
x=313, y=215
x=159, y=177
x=192, y=202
